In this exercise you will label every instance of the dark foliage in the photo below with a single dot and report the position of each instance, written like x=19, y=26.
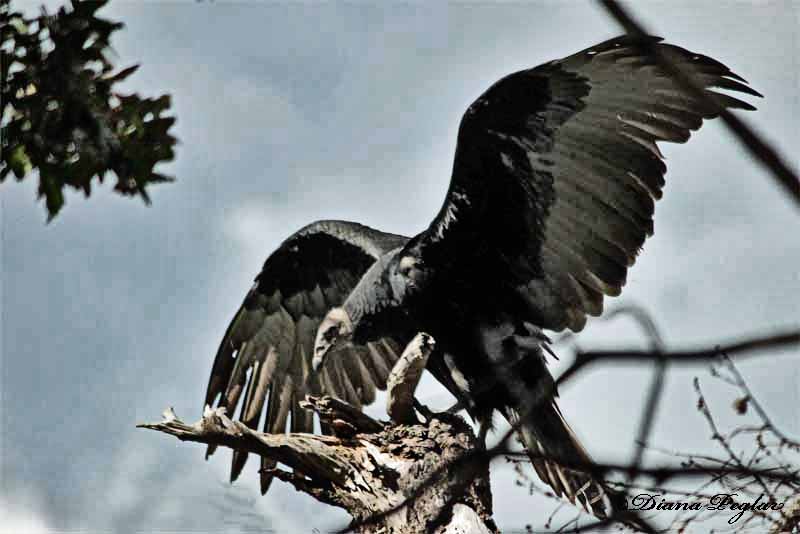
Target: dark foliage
x=61, y=114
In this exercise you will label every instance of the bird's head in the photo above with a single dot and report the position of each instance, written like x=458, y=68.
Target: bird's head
x=334, y=332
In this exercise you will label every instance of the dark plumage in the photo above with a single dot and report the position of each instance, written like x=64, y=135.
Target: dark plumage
x=272, y=334
x=554, y=183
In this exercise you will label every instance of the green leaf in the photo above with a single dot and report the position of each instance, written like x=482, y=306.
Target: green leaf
x=121, y=75
x=19, y=162
x=54, y=195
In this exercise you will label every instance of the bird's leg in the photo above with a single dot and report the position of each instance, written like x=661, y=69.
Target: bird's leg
x=484, y=426
x=483, y=430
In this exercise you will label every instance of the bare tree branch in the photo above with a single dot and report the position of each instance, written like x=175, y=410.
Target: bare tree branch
x=687, y=357
x=762, y=151
x=750, y=399
x=367, y=474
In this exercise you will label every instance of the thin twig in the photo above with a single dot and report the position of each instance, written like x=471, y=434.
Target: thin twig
x=583, y=359
x=762, y=151
x=751, y=400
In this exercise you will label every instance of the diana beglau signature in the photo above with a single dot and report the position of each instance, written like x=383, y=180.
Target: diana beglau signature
x=721, y=502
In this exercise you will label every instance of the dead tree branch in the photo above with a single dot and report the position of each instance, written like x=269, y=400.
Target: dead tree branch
x=686, y=357
x=370, y=468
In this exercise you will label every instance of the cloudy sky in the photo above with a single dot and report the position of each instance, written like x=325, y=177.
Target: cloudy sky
x=291, y=113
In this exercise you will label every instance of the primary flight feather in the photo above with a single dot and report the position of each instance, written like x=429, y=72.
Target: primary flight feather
x=555, y=178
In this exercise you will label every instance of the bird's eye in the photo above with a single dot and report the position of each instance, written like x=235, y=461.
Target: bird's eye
x=330, y=333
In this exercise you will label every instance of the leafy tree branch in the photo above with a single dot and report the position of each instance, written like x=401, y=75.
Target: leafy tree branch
x=62, y=113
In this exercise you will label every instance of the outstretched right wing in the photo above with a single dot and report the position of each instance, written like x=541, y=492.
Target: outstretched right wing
x=267, y=350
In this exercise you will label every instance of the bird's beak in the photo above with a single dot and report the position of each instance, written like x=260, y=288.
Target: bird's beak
x=321, y=350
x=334, y=332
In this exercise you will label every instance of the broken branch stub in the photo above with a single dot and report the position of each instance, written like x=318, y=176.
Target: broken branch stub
x=404, y=378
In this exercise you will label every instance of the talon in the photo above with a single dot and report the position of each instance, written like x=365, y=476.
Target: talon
x=528, y=342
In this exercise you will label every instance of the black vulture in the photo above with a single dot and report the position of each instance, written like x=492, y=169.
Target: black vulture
x=554, y=183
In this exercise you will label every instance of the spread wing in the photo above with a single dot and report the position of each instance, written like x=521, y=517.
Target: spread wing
x=267, y=350
x=557, y=171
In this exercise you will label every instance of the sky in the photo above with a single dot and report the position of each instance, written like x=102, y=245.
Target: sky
x=289, y=113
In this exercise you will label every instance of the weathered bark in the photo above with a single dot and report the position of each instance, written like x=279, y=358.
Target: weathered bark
x=404, y=378
x=390, y=476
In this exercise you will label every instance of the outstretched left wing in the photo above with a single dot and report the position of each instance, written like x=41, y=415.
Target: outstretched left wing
x=267, y=350
x=557, y=171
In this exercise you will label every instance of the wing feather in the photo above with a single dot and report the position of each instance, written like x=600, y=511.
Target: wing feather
x=264, y=360
x=557, y=171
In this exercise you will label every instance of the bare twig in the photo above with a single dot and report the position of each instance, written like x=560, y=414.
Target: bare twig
x=739, y=382
x=688, y=357
x=762, y=151
x=331, y=409
x=662, y=474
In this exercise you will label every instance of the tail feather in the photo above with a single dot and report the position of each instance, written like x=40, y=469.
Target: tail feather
x=551, y=445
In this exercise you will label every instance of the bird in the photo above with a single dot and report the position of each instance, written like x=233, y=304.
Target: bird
x=555, y=177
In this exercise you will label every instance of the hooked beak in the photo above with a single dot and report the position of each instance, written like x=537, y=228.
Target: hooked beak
x=334, y=333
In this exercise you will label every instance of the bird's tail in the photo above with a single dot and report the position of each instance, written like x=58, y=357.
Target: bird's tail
x=552, y=446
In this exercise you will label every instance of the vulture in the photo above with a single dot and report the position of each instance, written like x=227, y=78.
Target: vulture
x=555, y=178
